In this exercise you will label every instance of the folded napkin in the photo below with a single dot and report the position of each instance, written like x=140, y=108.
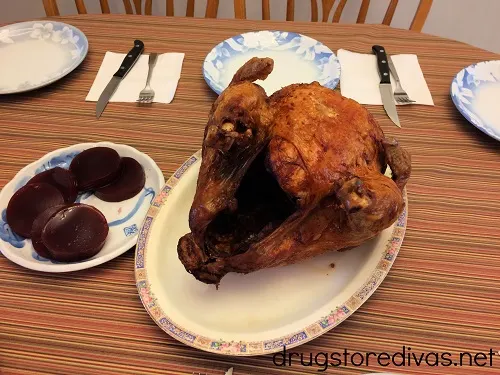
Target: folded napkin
x=359, y=78
x=166, y=75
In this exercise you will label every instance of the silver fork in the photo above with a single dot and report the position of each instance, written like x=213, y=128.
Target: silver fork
x=400, y=95
x=147, y=94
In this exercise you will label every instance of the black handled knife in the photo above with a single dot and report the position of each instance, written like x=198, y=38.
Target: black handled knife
x=385, y=84
x=127, y=64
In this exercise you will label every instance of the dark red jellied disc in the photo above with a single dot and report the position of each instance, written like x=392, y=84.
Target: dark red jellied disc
x=29, y=202
x=75, y=233
x=61, y=179
x=130, y=181
x=95, y=167
x=37, y=228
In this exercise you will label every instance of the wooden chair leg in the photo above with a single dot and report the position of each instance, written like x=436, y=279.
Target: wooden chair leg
x=327, y=8
x=148, y=7
x=80, y=7
x=421, y=15
x=190, y=8
x=51, y=8
x=138, y=5
x=266, y=10
x=104, y=7
x=212, y=9
x=290, y=10
x=363, y=11
x=339, y=10
x=170, y=8
x=240, y=9
x=128, y=7
x=391, y=9
x=314, y=11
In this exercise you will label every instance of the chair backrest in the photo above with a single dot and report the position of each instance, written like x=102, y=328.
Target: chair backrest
x=51, y=8
x=240, y=9
x=417, y=24
x=210, y=11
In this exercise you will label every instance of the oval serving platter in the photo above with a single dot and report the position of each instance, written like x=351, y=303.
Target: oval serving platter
x=297, y=59
x=37, y=53
x=124, y=218
x=475, y=91
x=260, y=312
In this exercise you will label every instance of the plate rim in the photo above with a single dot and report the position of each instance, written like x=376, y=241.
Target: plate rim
x=218, y=92
x=55, y=79
x=70, y=267
x=454, y=99
x=294, y=339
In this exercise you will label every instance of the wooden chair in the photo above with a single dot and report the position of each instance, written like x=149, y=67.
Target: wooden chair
x=417, y=23
x=51, y=8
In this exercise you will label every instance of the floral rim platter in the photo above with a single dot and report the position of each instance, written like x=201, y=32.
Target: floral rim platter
x=475, y=91
x=260, y=312
x=124, y=218
x=297, y=59
x=37, y=53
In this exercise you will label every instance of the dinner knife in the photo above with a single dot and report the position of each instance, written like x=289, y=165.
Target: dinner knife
x=127, y=64
x=385, y=84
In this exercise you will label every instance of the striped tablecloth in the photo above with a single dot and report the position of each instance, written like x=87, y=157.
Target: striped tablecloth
x=442, y=294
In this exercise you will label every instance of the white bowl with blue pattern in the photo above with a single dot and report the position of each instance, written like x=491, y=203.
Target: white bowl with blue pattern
x=124, y=218
x=475, y=91
x=297, y=59
x=37, y=53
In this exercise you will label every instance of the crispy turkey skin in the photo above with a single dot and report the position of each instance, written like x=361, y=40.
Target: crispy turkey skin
x=288, y=177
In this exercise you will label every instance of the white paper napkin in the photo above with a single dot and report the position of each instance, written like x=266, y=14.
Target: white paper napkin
x=359, y=78
x=166, y=75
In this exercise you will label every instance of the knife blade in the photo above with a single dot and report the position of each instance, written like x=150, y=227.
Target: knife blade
x=385, y=84
x=125, y=67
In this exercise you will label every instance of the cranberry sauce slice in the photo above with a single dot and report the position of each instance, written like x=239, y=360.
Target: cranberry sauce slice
x=29, y=202
x=75, y=233
x=61, y=179
x=130, y=181
x=95, y=167
x=37, y=228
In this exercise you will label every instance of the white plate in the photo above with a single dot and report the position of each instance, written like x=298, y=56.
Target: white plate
x=297, y=59
x=260, y=312
x=37, y=53
x=475, y=91
x=124, y=218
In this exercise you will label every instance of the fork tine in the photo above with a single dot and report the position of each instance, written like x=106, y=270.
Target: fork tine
x=403, y=99
x=146, y=96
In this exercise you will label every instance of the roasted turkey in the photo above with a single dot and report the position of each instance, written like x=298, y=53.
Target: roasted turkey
x=288, y=177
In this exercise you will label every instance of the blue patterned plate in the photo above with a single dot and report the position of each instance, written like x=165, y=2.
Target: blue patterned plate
x=475, y=91
x=124, y=218
x=37, y=53
x=297, y=59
